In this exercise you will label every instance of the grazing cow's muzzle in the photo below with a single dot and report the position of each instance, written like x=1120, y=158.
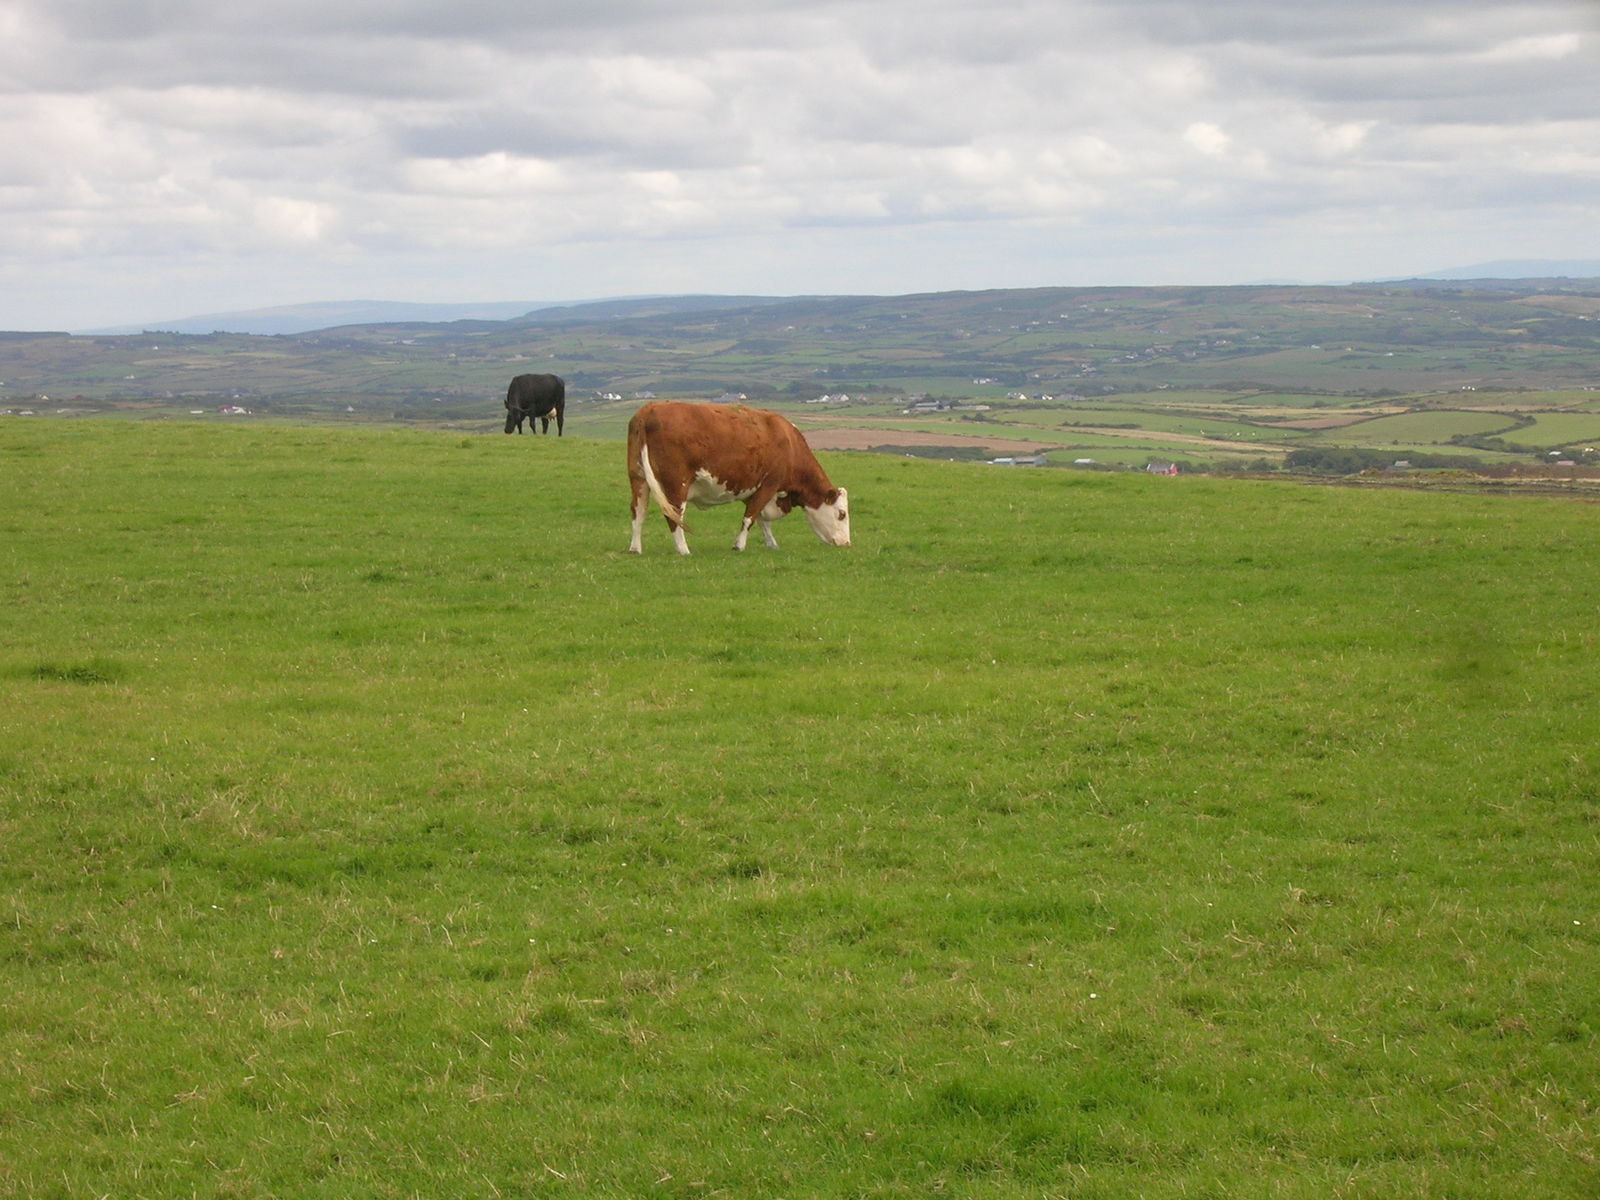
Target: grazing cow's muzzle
x=830, y=520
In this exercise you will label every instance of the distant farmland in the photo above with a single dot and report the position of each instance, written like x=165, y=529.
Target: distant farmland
x=1219, y=378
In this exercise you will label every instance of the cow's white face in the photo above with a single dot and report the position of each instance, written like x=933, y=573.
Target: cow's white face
x=830, y=520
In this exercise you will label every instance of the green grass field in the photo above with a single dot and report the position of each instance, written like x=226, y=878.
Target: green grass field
x=1555, y=428
x=1420, y=428
x=1156, y=422
x=373, y=825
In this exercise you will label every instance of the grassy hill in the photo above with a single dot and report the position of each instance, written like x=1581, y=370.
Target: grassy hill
x=1215, y=377
x=375, y=826
x=1346, y=340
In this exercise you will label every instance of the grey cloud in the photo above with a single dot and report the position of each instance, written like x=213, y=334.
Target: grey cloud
x=516, y=25
x=472, y=134
x=124, y=20
x=1361, y=27
x=645, y=145
x=521, y=131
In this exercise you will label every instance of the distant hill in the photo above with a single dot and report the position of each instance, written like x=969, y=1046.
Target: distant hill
x=646, y=306
x=1524, y=268
x=305, y=318
x=291, y=319
x=1433, y=337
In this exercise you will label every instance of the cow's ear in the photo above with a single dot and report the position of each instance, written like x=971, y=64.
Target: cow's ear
x=832, y=497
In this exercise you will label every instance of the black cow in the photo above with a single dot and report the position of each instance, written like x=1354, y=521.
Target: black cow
x=536, y=398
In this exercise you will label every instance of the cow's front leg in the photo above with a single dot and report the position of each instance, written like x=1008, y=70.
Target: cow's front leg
x=754, y=510
x=766, y=533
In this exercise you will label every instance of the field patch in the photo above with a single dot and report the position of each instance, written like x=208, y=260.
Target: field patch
x=1550, y=429
x=847, y=438
x=1424, y=428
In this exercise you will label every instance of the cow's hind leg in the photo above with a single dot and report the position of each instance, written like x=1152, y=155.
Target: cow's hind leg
x=680, y=542
x=669, y=498
x=641, y=501
x=678, y=498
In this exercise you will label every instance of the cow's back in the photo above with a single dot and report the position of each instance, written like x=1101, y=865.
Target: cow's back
x=730, y=443
x=536, y=393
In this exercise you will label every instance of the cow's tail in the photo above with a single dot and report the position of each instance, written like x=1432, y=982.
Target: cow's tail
x=675, y=515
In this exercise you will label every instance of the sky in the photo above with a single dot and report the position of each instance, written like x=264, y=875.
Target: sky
x=165, y=158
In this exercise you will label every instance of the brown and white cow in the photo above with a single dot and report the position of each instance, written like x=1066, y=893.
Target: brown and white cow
x=705, y=454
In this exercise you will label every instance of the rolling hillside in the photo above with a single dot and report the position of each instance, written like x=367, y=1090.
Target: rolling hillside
x=1216, y=376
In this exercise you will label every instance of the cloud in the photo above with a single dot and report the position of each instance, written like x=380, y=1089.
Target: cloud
x=495, y=174
x=293, y=222
x=797, y=145
x=1207, y=138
